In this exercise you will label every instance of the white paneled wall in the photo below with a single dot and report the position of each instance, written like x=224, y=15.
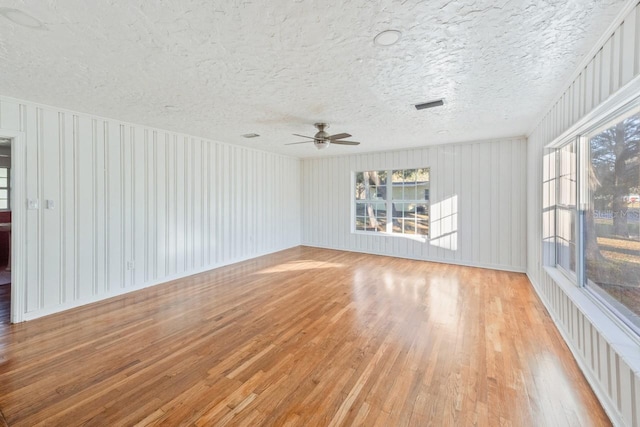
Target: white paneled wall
x=615, y=63
x=478, y=203
x=167, y=205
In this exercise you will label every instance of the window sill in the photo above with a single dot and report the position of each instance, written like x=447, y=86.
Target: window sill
x=618, y=335
x=421, y=239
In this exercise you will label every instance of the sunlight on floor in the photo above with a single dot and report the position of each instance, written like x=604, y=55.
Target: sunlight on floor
x=446, y=313
x=301, y=265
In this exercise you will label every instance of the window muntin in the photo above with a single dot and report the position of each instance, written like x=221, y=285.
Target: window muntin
x=5, y=195
x=392, y=201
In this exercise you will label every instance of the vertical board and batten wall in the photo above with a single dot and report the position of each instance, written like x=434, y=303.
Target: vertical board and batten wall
x=135, y=206
x=615, y=64
x=477, y=209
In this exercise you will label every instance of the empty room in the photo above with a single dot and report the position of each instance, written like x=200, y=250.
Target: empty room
x=305, y=213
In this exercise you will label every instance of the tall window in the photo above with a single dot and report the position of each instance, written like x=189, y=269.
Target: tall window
x=392, y=201
x=598, y=214
x=612, y=227
x=566, y=208
x=4, y=189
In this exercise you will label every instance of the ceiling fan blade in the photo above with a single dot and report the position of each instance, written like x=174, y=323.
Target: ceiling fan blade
x=301, y=142
x=303, y=136
x=339, y=136
x=345, y=142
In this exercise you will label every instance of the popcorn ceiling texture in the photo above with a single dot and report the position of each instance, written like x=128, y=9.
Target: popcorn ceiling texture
x=220, y=69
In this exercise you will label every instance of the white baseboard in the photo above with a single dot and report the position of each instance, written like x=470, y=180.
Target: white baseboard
x=608, y=405
x=121, y=291
x=437, y=260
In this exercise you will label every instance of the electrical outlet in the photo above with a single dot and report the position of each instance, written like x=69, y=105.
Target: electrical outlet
x=131, y=265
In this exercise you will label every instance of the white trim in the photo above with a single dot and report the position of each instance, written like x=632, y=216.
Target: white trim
x=388, y=206
x=418, y=147
x=487, y=266
x=142, y=125
x=623, y=98
x=624, y=103
x=588, y=309
x=611, y=29
x=416, y=237
x=121, y=291
x=18, y=204
x=619, y=337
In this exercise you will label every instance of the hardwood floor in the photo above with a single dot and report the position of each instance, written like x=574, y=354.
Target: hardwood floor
x=307, y=337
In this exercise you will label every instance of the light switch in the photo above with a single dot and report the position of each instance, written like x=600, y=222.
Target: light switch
x=32, y=204
x=49, y=204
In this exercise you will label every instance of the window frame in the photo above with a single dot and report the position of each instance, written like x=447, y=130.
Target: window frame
x=619, y=107
x=388, y=200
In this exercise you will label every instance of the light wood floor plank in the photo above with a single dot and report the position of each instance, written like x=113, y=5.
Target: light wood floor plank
x=302, y=337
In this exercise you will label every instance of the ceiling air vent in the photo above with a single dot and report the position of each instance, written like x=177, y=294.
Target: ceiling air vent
x=430, y=104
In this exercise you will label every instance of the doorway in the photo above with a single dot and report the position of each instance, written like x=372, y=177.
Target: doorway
x=12, y=174
x=5, y=230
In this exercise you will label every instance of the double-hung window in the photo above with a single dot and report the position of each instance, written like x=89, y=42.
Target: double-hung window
x=392, y=201
x=597, y=211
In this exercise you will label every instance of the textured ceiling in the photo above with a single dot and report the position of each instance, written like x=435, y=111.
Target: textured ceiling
x=219, y=69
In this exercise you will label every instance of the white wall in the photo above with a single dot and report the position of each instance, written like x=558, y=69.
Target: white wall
x=171, y=203
x=478, y=203
x=615, y=62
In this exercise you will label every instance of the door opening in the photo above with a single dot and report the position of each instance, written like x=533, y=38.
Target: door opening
x=12, y=230
x=5, y=230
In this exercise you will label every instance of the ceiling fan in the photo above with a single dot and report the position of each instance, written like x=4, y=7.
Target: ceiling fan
x=322, y=139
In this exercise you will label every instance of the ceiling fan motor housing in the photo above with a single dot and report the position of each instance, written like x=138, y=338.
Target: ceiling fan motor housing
x=321, y=135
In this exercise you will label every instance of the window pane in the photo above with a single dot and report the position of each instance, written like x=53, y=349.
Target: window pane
x=375, y=177
x=4, y=204
x=422, y=190
x=4, y=194
x=423, y=228
x=371, y=216
x=565, y=239
x=397, y=184
x=372, y=186
x=398, y=225
x=566, y=208
x=409, y=226
x=3, y=182
x=360, y=190
x=612, y=235
x=4, y=172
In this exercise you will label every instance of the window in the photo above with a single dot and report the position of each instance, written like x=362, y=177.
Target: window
x=597, y=204
x=4, y=189
x=392, y=201
x=611, y=226
x=566, y=208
